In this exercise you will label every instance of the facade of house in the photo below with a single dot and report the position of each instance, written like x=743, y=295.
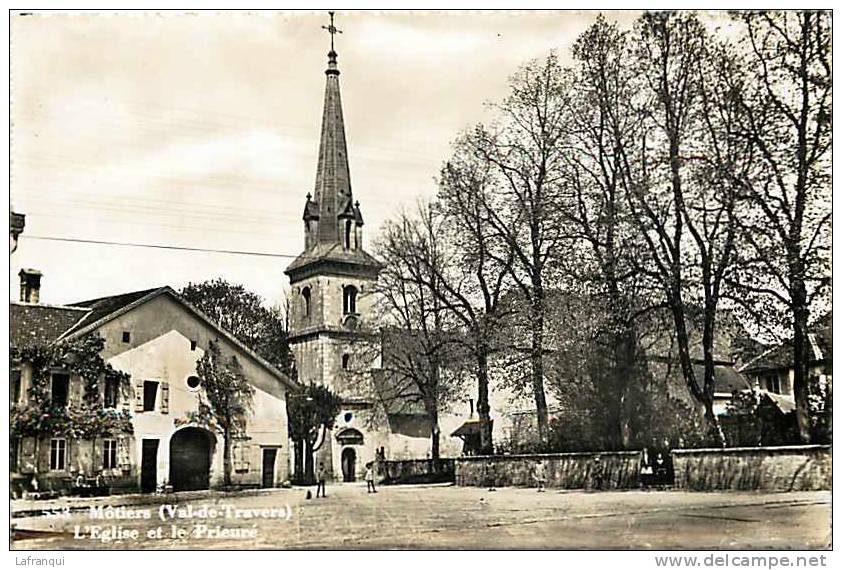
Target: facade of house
x=155, y=338
x=772, y=372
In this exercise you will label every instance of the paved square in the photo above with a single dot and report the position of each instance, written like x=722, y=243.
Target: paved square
x=433, y=517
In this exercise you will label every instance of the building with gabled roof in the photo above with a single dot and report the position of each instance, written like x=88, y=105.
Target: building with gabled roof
x=156, y=338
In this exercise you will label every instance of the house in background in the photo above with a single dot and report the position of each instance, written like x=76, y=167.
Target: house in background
x=156, y=338
x=772, y=372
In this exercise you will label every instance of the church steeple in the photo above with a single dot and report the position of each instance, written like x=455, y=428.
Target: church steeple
x=332, y=197
x=332, y=218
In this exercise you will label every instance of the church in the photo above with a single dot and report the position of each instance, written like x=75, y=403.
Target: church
x=331, y=303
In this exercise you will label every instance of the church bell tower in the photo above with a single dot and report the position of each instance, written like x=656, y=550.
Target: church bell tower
x=331, y=279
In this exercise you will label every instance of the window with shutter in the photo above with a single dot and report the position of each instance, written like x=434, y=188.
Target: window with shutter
x=14, y=386
x=111, y=392
x=109, y=453
x=150, y=395
x=60, y=390
x=58, y=454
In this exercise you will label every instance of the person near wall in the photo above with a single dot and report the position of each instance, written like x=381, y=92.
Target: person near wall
x=597, y=473
x=321, y=476
x=646, y=471
x=540, y=476
x=369, y=477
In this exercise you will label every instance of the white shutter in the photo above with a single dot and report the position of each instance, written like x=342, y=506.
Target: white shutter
x=138, y=396
x=165, y=397
x=123, y=457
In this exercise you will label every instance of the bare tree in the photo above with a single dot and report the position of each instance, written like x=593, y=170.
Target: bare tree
x=525, y=156
x=601, y=121
x=787, y=113
x=680, y=181
x=420, y=361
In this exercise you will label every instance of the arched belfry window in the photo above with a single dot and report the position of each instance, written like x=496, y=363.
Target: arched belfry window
x=348, y=233
x=349, y=300
x=346, y=361
x=305, y=294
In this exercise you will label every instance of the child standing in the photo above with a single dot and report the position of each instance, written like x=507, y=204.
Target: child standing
x=369, y=478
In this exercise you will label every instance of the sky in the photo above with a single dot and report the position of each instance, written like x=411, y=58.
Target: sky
x=200, y=130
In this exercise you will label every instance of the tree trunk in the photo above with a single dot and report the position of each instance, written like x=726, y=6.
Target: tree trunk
x=699, y=395
x=486, y=445
x=435, y=437
x=537, y=359
x=298, y=461
x=624, y=350
x=309, y=470
x=801, y=357
x=709, y=385
x=226, y=457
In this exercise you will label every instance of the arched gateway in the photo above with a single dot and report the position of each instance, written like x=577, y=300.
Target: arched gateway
x=191, y=450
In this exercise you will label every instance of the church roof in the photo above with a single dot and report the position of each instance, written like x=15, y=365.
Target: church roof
x=333, y=176
x=336, y=254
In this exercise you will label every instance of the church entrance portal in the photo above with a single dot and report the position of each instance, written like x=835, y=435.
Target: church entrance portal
x=190, y=459
x=349, y=465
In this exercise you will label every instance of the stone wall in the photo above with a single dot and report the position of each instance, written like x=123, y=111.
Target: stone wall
x=620, y=470
x=788, y=468
x=416, y=471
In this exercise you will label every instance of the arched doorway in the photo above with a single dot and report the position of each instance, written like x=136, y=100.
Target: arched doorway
x=349, y=465
x=190, y=459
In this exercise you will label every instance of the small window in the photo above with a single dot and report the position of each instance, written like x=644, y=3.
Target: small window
x=192, y=345
x=58, y=454
x=127, y=337
x=109, y=453
x=346, y=361
x=14, y=386
x=349, y=300
x=112, y=391
x=60, y=389
x=773, y=384
x=193, y=382
x=348, y=234
x=150, y=394
x=305, y=294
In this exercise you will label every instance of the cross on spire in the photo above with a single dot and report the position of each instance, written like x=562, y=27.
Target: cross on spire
x=332, y=30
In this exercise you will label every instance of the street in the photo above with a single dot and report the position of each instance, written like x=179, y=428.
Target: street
x=443, y=517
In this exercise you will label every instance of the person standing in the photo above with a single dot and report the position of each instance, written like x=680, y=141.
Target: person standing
x=321, y=475
x=597, y=473
x=540, y=476
x=369, y=478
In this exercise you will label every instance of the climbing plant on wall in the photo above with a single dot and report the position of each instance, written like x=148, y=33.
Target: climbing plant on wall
x=83, y=418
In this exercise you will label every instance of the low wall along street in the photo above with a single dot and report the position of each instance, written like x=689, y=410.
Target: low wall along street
x=416, y=471
x=620, y=470
x=789, y=468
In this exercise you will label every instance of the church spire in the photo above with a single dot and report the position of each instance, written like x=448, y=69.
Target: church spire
x=332, y=196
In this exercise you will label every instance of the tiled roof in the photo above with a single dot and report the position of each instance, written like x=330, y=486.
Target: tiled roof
x=43, y=323
x=31, y=323
x=820, y=336
x=727, y=379
x=104, y=306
